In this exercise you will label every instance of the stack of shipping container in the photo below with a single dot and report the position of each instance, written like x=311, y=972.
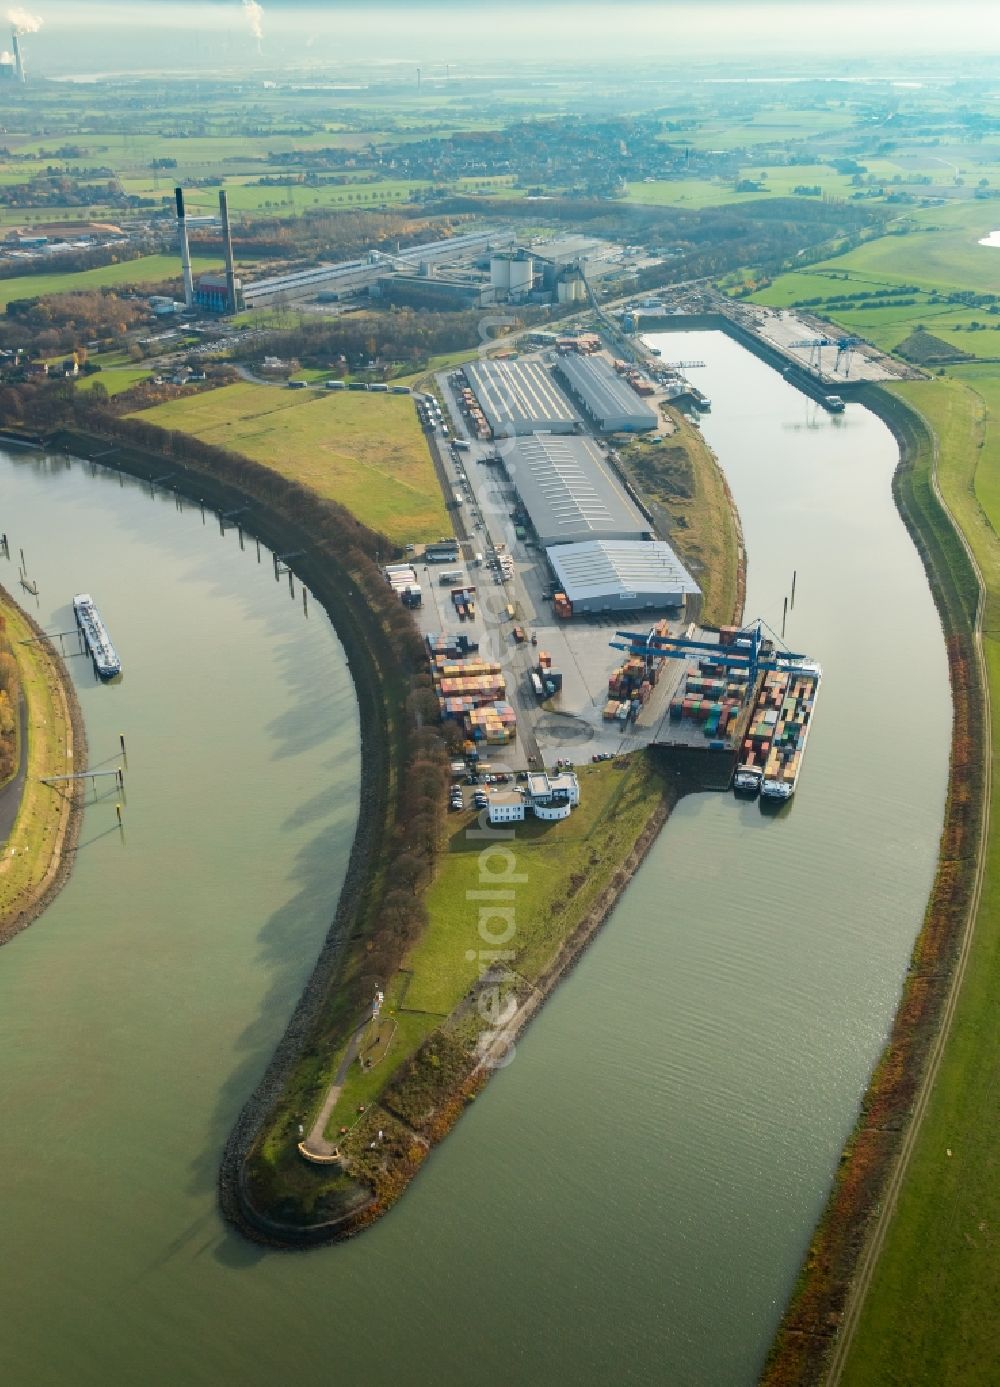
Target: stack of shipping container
x=402, y=578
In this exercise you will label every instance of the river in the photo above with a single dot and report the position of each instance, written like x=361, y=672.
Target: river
x=630, y=1199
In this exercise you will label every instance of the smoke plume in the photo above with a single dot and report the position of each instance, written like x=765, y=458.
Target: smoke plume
x=22, y=22
x=255, y=18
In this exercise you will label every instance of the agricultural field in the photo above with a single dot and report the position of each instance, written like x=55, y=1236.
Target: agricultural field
x=937, y=248
x=194, y=153
x=778, y=181
x=778, y=125
x=930, y=1314
x=366, y=451
x=149, y=269
x=862, y=291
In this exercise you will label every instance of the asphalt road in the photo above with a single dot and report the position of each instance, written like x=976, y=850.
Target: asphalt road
x=10, y=795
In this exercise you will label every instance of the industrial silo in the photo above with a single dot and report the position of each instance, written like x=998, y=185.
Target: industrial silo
x=522, y=274
x=570, y=287
x=500, y=273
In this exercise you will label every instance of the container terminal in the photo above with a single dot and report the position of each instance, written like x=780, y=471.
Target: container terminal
x=96, y=638
x=748, y=692
x=553, y=552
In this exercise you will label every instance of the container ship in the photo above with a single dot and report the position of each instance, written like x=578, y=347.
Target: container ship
x=102, y=652
x=771, y=756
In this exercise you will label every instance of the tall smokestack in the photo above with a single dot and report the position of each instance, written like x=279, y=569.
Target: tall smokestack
x=227, y=246
x=18, y=60
x=185, y=252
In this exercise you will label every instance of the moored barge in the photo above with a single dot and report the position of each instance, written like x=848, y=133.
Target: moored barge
x=95, y=635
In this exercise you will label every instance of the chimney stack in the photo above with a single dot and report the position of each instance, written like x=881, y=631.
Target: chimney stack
x=232, y=291
x=18, y=60
x=185, y=252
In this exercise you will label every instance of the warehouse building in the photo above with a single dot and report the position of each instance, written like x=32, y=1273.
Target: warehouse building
x=605, y=398
x=520, y=397
x=621, y=576
x=570, y=493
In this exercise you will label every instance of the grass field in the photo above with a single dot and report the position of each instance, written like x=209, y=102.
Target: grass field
x=366, y=451
x=681, y=479
x=27, y=855
x=930, y=1315
x=115, y=379
x=149, y=269
x=567, y=862
x=941, y=251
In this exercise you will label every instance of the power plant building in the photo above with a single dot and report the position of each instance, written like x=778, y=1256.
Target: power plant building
x=212, y=293
x=520, y=397
x=620, y=576
x=570, y=493
x=607, y=400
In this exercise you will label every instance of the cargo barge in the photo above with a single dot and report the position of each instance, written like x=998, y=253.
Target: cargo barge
x=770, y=759
x=102, y=652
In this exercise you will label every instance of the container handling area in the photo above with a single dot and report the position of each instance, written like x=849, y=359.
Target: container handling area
x=521, y=610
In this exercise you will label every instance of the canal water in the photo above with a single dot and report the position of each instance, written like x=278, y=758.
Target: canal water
x=630, y=1199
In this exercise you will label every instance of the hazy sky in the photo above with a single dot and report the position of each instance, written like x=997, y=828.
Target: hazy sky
x=169, y=32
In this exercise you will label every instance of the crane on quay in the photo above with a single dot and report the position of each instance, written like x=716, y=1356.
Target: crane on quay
x=751, y=651
x=845, y=351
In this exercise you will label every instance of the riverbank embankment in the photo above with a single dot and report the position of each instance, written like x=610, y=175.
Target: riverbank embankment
x=289, y=521
x=808, y=1335
x=39, y=853
x=287, y=1081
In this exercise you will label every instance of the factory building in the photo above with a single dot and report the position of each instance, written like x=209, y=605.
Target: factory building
x=520, y=397
x=621, y=576
x=570, y=493
x=606, y=399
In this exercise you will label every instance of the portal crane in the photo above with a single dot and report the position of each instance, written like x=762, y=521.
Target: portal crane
x=749, y=656
x=815, y=345
x=845, y=353
x=681, y=365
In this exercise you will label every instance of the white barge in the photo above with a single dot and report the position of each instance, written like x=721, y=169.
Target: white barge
x=95, y=634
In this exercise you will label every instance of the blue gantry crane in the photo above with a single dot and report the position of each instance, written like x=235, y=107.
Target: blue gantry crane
x=751, y=651
x=845, y=353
